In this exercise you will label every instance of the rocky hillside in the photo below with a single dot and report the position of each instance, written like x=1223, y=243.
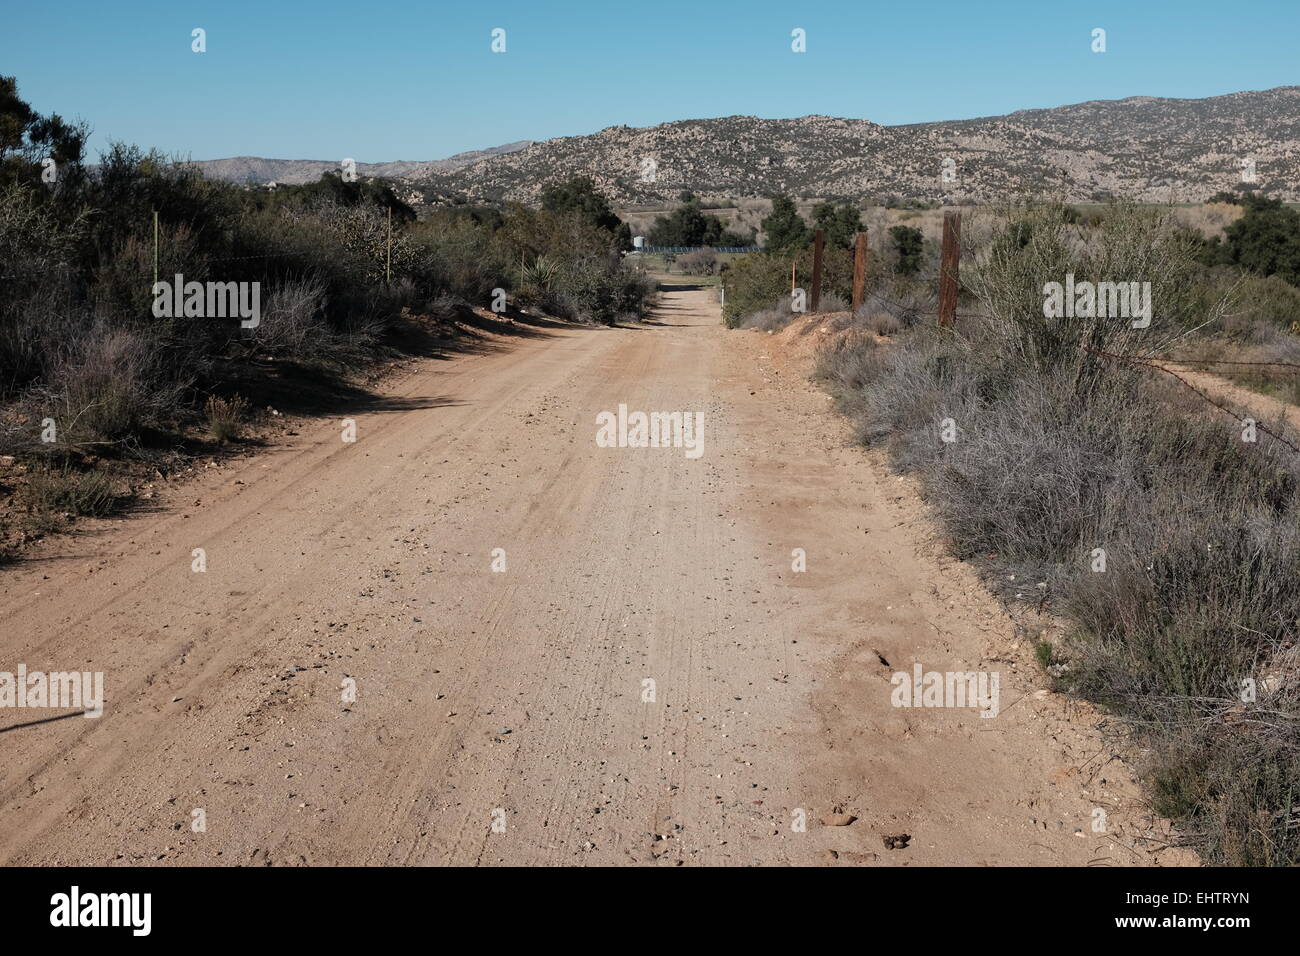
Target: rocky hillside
x=1141, y=148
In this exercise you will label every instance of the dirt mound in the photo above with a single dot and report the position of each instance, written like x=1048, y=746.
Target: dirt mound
x=794, y=347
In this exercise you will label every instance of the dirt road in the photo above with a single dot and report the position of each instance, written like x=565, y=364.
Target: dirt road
x=501, y=716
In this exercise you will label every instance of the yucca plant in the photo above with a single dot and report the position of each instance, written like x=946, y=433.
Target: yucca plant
x=540, y=274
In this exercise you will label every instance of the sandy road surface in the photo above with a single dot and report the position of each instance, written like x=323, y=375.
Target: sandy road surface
x=518, y=696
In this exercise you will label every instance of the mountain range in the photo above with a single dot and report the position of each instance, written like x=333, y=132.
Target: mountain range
x=1142, y=148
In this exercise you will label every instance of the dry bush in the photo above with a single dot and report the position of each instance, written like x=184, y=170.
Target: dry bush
x=1031, y=247
x=1209, y=219
x=226, y=417
x=848, y=360
x=881, y=322
x=1059, y=454
x=832, y=301
x=771, y=319
x=57, y=490
x=699, y=262
x=291, y=321
x=107, y=387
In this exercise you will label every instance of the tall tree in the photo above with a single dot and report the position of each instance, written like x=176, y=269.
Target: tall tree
x=785, y=228
x=840, y=222
x=27, y=138
x=580, y=196
x=909, y=243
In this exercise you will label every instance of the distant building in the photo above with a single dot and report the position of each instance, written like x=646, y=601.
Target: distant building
x=638, y=243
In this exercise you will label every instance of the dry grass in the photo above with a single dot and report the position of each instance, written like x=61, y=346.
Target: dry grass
x=226, y=417
x=55, y=493
x=1210, y=219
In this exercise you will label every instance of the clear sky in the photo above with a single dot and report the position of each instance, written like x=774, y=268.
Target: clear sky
x=416, y=79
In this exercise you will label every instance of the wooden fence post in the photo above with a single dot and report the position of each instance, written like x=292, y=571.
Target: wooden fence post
x=819, y=247
x=859, y=269
x=949, y=268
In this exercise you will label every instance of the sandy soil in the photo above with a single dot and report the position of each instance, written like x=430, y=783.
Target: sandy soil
x=516, y=698
x=1270, y=410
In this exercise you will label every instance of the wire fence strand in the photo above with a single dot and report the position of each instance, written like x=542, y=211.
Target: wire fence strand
x=1154, y=364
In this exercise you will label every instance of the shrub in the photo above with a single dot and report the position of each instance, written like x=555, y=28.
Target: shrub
x=55, y=490
x=1031, y=247
x=908, y=243
x=753, y=283
x=770, y=319
x=699, y=262
x=637, y=293
x=881, y=322
x=292, y=320
x=1061, y=457
x=1269, y=301
x=107, y=387
x=847, y=362
x=226, y=417
x=36, y=271
x=460, y=256
x=1266, y=239
x=784, y=228
x=600, y=291
x=832, y=301
x=538, y=278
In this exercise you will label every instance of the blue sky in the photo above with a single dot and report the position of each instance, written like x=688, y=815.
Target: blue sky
x=416, y=79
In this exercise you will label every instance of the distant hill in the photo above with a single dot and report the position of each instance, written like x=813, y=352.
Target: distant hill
x=1141, y=148
x=254, y=170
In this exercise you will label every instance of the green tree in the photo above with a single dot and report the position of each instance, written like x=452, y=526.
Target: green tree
x=689, y=225
x=579, y=195
x=1266, y=239
x=839, y=222
x=785, y=228
x=27, y=138
x=908, y=242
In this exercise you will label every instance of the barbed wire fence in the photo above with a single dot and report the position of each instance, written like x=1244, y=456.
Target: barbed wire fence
x=949, y=280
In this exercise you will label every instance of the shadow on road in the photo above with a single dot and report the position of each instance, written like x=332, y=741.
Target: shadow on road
x=43, y=720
